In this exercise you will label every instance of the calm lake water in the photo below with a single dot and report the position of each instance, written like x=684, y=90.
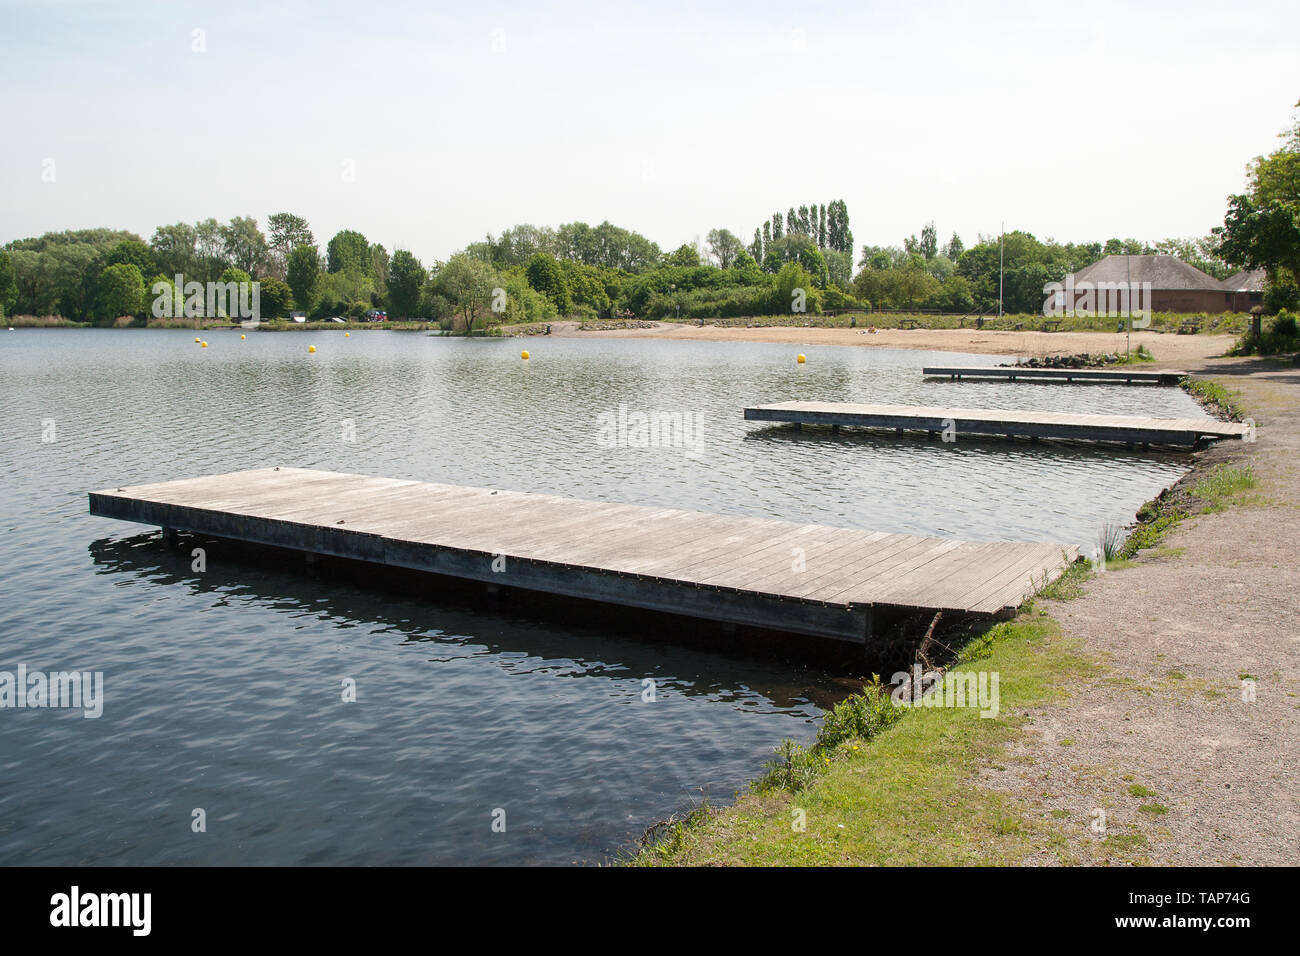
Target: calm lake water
x=222, y=688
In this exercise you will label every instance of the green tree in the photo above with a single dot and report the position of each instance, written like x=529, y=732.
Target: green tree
x=173, y=248
x=121, y=291
x=545, y=276
x=303, y=273
x=286, y=232
x=135, y=252
x=724, y=246
x=348, y=251
x=243, y=245
x=468, y=284
x=275, y=298
x=929, y=244
x=8, y=284
x=406, y=278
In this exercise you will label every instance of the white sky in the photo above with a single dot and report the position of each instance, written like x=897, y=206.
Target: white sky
x=1078, y=121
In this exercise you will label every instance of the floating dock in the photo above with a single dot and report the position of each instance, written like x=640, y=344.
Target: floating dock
x=1017, y=373
x=782, y=575
x=1006, y=423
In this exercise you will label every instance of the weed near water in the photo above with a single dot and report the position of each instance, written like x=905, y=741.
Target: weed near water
x=906, y=797
x=1214, y=397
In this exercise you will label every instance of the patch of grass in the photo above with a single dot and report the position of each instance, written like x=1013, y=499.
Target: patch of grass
x=1125, y=841
x=1137, y=790
x=1070, y=584
x=1222, y=483
x=1111, y=540
x=1156, y=809
x=1139, y=355
x=906, y=798
x=1214, y=396
x=1060, y=814
x=663, y=840
x=1066, y=742
x=859, y=717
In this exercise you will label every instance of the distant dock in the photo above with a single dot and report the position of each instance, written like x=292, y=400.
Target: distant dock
x=1016, y=373
x=1131, y=430
x=781, y=575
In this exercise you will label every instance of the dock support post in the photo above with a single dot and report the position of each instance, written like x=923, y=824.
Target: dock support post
x=798, y=426
x=169, y=538
x=869, y=632
x=312, y=561
x=835, y=429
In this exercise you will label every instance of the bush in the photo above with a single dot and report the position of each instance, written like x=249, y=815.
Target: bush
x=857, y=717
x=1281, y=297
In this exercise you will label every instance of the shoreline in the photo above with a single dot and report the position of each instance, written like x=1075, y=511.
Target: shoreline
x=1168, y=349
x=1111, y=671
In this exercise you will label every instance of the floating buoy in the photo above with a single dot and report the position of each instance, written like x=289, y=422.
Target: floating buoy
x=243, y=336
x=203, y=345
x=196, y=341
x=524, y=355
x=311, y=348
x=801, y=359
x=347, y=335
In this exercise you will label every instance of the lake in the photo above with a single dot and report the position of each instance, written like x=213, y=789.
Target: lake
x=222, y=687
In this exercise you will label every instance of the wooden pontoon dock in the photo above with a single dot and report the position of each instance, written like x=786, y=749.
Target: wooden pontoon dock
x=780, y=575
x=1022, y=373
x=1131, y=430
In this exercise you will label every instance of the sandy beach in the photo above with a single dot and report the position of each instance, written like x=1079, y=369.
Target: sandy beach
x=1168, y=349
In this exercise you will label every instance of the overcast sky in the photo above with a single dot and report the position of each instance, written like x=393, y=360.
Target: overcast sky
x=1076, y=121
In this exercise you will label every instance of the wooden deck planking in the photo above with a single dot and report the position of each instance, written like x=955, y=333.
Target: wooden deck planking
x=1179, y=432
x=721, y=567
x=1014, y=373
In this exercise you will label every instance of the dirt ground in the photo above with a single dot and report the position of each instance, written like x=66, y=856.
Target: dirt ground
x=1167, y=348
x=1179, y=630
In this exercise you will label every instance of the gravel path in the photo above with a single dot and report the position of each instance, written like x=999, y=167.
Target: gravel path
x=1164, y=725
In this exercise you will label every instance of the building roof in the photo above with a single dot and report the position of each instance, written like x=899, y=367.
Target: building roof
x=1245, y=281
x=1163, y=272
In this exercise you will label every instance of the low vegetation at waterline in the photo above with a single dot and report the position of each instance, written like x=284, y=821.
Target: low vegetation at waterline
x=903, y=798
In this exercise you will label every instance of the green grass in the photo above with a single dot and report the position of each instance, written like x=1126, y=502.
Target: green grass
x=1223, y=483
x=905, y=797
x=1137, y=790
x=1214, y=397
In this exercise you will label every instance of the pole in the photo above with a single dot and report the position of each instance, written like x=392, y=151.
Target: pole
x=1128, y=335
x=1001, y=242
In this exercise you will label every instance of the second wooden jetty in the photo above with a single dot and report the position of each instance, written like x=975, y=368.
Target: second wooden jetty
x=1022, y=373
x=780, y=575
x=1007, y=423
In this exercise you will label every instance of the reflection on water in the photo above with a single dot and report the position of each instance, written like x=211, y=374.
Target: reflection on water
x=223, y=687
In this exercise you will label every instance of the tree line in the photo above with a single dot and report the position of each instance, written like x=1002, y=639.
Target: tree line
x=800, y=260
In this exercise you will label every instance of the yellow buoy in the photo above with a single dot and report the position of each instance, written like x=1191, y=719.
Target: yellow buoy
x=524, y=355
x=204, y=345
x=311, y=348
x=801, y=359
x=347, y=335
x=196, y=341
x=243, y=336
